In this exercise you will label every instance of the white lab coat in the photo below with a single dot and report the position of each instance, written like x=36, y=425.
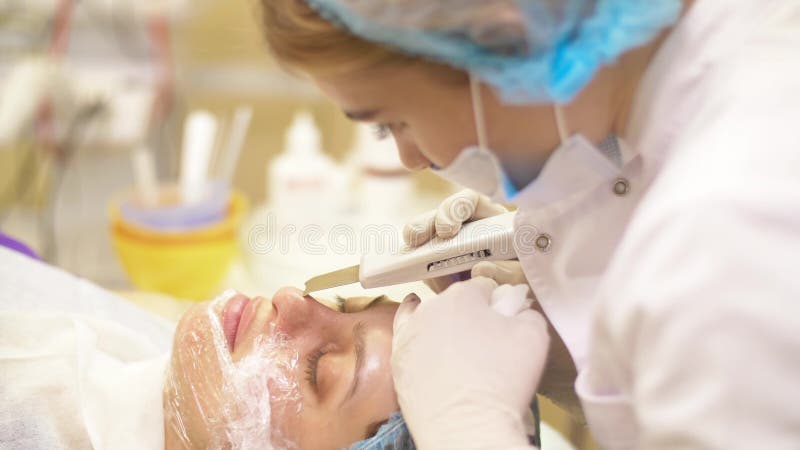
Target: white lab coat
x=674, y=279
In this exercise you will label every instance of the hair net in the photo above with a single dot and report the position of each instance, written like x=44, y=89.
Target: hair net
x=392, y=435
x=529, y=50
x=234, y=401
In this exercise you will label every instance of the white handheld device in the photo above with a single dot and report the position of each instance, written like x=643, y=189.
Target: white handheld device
x=490, y=239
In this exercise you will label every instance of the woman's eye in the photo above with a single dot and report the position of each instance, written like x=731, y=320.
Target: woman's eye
x=381, y=131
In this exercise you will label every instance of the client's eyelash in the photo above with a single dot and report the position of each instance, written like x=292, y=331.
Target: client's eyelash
x=381, y=131
x=311, y=367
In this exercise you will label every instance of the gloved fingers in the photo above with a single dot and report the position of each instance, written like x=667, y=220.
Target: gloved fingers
x=454, y=211
x=446, y=221
x=420, y=230
x=510, y=300
x=475, y=290
x=485, y=207
x=533, y=317
x=404, y=312
x=529, y=330
x=503, y=272
x=462, y=207
x=531, y=326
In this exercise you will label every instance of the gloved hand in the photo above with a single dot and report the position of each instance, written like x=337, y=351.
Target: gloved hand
x=446, y=221
x=465, y=374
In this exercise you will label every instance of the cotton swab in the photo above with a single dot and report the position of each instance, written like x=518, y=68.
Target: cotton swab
x=144, y=174
x=199, y=135
x=233, y=147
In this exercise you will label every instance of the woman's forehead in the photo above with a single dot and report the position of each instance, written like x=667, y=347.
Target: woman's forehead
x=352, y=95
x=357, y=90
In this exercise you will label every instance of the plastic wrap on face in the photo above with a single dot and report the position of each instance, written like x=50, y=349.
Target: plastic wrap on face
x=217, y=400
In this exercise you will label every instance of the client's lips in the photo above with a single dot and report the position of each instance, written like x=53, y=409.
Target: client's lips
x=247, y=317
x=231, y=316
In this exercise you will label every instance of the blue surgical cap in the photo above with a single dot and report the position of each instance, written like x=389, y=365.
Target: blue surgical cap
x=393, y=435
x=530, y=51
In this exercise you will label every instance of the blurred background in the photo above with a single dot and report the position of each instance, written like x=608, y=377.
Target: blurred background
x=87, y=83
x=152, y=147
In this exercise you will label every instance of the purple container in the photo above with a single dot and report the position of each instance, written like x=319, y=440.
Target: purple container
x=172, y=215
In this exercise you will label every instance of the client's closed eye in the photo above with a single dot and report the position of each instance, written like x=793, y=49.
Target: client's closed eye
x=311, y=368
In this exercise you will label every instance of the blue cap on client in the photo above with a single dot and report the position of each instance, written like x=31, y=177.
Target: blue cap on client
x=392, y=435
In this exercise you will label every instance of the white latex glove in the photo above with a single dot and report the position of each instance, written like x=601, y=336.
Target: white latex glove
x=466, y=374
x=446, y=221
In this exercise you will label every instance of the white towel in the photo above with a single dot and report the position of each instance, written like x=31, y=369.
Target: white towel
x=79, y=367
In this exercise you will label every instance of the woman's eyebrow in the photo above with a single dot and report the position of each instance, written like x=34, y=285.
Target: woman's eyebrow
x=362, y=116
x=359, y=333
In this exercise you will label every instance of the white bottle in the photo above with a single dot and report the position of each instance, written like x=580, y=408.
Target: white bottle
x=304, y=183
x=386, y=187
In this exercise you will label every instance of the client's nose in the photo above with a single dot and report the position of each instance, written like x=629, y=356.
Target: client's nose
x=293, y=311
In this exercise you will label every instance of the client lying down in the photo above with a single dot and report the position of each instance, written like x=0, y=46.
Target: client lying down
x=82, y=368
x=290, y=371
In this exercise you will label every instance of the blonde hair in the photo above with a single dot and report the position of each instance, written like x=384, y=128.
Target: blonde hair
x=301, y=39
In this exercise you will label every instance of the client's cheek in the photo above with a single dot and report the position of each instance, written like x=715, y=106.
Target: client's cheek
x=286, y=406
x=260, y=390
x=376, y=367
x=191, y=390
x=379, y=371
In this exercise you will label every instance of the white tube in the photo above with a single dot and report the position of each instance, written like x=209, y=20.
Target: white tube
x=198, y=143
x=233, y=147
x=144, y=174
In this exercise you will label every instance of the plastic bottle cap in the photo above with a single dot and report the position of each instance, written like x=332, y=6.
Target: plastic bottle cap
x=303, y=137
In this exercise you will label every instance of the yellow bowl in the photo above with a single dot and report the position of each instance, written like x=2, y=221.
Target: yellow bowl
x=223, y=229
x=189, y=265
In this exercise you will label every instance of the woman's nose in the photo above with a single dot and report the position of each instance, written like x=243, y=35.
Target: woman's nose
x=410, y=155
x=293, y=312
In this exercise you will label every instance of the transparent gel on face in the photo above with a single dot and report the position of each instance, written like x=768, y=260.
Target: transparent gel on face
x=235, y=401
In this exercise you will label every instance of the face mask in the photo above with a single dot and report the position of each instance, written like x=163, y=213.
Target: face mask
x=478, y=168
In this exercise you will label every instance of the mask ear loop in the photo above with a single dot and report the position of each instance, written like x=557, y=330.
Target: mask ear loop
x=561, y=123
x=477, y=111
